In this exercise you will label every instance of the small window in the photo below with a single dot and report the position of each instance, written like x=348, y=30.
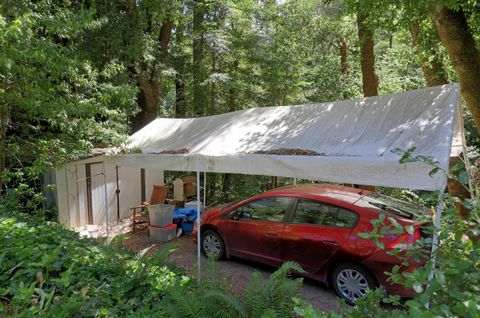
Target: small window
x=270, y=209
x=346, y=218
x=318, y=213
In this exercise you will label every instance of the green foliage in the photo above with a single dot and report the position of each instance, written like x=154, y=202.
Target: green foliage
x=48, y=270
x=268, y=299
x=56, y=104
x=450, y=289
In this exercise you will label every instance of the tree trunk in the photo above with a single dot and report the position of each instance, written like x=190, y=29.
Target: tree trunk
x=179, y=62
x=460, y=45
x=461, y=191
x=227, y=182
x=3, y=136
x=149, y=94
x=432, y=70
x=148, y=99
x=232, y=100
x=164, y=39
x=367, y=60
x=199, y=72
x=213, y=86
x=369, y=77
x=435, y=74
x=343, y=46
x=273, y=182
x=180, y=109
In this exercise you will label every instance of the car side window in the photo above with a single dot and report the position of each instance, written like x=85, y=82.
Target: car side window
x=319, y=213
x=270, y=209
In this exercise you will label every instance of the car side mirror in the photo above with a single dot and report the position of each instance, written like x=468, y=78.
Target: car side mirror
x=235, y=215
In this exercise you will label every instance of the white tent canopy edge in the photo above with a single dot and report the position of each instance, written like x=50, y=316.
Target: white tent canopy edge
x=413, y=175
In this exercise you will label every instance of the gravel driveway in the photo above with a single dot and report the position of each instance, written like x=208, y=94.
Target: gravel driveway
x=235, y=272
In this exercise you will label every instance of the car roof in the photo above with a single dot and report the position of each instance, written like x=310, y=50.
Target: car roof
x=343, y=193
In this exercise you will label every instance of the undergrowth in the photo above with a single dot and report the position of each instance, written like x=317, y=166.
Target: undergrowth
x=47, y=270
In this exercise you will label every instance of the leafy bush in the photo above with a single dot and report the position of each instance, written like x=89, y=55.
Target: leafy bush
x=48, y=270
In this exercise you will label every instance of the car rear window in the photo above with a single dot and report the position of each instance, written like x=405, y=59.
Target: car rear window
x=319, y=213
x=398, y=207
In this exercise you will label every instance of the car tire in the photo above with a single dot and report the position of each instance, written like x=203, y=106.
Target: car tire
x=212, y=245
x=351, y=282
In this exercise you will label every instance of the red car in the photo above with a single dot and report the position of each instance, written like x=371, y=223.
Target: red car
x=316, y=226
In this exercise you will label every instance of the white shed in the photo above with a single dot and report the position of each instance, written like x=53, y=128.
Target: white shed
x=81, y=192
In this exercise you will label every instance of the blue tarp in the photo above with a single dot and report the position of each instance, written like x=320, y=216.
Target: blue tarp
x=185, y=214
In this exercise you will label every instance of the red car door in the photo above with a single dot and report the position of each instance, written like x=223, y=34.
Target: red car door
x=254, y=229
x=315, y=232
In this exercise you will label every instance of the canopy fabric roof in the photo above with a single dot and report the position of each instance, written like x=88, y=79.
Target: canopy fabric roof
x=349, y=141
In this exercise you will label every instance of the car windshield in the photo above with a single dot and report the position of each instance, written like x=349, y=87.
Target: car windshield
x=227, y=205
x=395, y=206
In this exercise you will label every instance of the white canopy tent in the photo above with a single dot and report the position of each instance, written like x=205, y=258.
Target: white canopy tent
x=350, y=141
x=353, y=140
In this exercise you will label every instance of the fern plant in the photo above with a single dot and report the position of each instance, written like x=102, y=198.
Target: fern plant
x=267, y=299
x=274, y=297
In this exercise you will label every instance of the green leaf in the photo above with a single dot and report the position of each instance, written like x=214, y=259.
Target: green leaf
x=457, y=167
x=433, y=171
x=463, y=177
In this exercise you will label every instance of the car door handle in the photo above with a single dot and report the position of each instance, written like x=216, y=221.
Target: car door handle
x=272, y=234
x=331, y=242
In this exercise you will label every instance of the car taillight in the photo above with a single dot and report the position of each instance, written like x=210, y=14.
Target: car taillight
x=405, y=241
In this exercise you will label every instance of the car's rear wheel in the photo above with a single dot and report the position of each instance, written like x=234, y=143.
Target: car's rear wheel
x=212, y=245
x=352, y=281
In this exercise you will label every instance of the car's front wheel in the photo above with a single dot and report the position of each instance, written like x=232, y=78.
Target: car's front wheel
x=212, y=245
x=352, y=281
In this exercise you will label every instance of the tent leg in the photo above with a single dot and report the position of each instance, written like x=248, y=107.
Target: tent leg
x=106, y=200
x=294, y=180
x=435, y=241
x=198, y=228
x=204, y=188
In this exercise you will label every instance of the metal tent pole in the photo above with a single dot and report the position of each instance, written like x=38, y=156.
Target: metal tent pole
x=204, y=188
x=106, y=200
x=435, y=241
x=198, y=227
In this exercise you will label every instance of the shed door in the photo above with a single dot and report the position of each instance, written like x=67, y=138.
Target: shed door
x=97, y=193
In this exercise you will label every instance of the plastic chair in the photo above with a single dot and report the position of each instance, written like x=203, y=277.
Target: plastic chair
x=159, y=195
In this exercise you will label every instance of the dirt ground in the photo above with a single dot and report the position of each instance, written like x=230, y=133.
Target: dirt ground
x=235, y=272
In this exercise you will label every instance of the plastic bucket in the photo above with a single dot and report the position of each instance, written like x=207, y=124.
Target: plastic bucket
x=160, y=214
x=187, y=227
x=163, y=234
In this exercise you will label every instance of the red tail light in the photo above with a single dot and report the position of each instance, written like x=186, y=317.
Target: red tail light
x=405, y=241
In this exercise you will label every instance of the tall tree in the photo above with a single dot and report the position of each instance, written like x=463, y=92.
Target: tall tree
x=55, y=105
x=459, y=42
x=200, y=73
x=145, y=71
x=180, y=61
x=367, y=55
x=425, y=40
